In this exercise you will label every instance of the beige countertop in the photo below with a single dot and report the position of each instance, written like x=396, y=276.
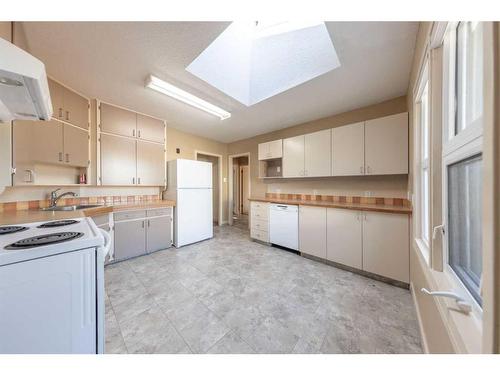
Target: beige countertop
x=346, y=205
x=30, y=216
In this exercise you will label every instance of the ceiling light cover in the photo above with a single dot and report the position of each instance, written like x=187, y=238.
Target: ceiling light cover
x=168, y=89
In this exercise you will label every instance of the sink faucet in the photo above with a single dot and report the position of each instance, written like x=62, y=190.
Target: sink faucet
x=54, y=197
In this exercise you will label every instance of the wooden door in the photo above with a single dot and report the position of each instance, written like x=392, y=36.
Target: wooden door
x=47, y=141
x=119, y=121
x=293, y=156
x=159, y=233
x=344, y=237
x=312, y=231
x=76, y=146
x=118, y=160
x=386, y=145
x=150, y=129
x=56, y=96
x=150, y=164
x=386, y=245
x=317, y=154
x=244, y=176
x=130, y=239
x=348, y=150
x=76, y=109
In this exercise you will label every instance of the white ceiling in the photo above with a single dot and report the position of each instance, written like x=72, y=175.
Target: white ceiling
x=111, y=60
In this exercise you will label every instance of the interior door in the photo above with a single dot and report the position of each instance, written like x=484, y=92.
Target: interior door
x=344, y=237
x=348, y=150
x=293, y=156
x=48, y=305
x=47, y=141
x=159, y=234
x=130, y=238
x=150, y=129
x=76, y=146
x=194, y=216
x=118, y=160
x=386, y=145
x=244, y=173
x=317, y=154
x=150, y=164
x=76, y=109
x=119, y=121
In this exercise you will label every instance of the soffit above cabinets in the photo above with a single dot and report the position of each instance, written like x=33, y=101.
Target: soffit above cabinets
x=110, y=61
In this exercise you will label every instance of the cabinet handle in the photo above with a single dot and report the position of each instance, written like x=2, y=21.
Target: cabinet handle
x=143, y=224
x=149, y=223
x=67, y=158
x=361, y=170
x=139, y=133
x=133, y=180
x=133, y=132
x=67, y=115
x=368, y=169
x=365, y=217
x=60, y=113
x=138, y=180
x=60, y=156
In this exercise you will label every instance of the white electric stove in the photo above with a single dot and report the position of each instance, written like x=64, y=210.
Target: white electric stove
x=52, y=287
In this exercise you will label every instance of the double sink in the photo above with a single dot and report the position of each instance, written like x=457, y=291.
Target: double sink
x=71, y=207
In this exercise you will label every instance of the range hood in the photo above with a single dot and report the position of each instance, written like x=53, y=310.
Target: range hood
x=24, y=91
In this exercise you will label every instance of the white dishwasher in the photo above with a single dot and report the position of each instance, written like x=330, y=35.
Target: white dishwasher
x=284, y=225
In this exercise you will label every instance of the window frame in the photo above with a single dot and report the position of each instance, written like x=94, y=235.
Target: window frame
x=456, y=148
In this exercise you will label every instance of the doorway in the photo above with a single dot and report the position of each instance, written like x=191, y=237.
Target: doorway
x=216, y=161
x=239, y=191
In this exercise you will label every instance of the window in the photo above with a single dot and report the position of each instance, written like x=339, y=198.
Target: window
x=422, y=158
x=462, y=157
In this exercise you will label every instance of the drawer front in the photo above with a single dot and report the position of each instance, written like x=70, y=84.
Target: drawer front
x=101, y=219
x=129, y=215
x=167, y=211
x=259, y=205
x=262, y=225
x=259, y=235
x=260, y=211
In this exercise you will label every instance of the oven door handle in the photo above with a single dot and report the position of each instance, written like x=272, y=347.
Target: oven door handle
x=107, y=243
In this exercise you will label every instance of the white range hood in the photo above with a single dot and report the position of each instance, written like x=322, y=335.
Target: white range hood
x=24, y=91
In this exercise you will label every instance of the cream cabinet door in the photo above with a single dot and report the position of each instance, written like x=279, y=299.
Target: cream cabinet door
x=293, y=156
x=150, y=129
x=56, y=95
x=344, y=237
x=348, y=150
x=312, y=231
x=47, y=141
x=76, y=109
x=386, y=245
x=150, y=164
x=263, y=151
x=386, y=145
x=76, y=146
x=118, y=160
x=119, y=121
x=317, y=154
x=275, y=149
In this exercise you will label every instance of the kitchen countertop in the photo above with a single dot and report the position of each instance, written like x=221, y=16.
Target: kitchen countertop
x=346, y=205
x=30, y=216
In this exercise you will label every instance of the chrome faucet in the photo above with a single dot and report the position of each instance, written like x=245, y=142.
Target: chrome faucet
x=54, y=197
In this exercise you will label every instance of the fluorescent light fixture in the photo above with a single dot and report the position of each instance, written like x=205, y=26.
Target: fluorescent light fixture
x=174, y=92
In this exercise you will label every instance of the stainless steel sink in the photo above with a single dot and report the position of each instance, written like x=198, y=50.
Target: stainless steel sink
x=71, y=207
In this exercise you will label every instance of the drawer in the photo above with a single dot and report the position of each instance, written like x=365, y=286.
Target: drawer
x=262, y=225
x=101, y=219
x=259, y=235
x=260, y=212
x=259, y=205
x=167, y=211
x=129, y=215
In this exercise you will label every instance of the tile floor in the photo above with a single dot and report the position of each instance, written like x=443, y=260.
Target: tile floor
x=232, y=295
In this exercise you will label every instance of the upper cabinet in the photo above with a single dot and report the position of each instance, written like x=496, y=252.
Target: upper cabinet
x=68, y=106
x=386, y=145
x=307, y=155
x=131, y=147
x=271, y=150
x=348, y=150
x=117, y=121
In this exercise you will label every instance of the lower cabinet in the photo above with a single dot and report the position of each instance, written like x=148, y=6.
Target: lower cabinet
x=141, y=232
x=259, y=221
x=312, y=231
x=345, y=234
x=386, y=245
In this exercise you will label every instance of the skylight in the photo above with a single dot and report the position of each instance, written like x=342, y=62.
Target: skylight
x=253, y=61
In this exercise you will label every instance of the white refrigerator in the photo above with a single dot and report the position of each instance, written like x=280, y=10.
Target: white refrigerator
x=190, y=185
